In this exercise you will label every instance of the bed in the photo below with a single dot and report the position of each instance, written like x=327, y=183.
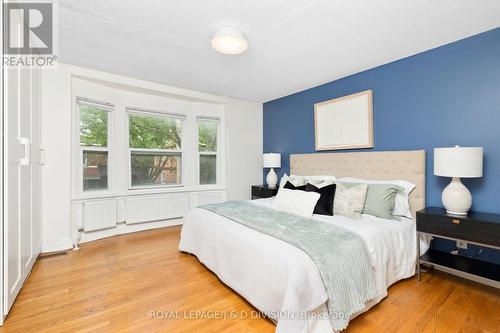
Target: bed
x=280, y=279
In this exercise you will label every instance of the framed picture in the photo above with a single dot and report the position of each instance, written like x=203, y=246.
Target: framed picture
x=345, y=122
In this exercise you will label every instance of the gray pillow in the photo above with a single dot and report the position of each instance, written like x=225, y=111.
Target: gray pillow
x=349, y=199
x=380, y=200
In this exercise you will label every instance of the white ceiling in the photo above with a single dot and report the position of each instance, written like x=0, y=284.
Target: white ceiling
x=293, y=44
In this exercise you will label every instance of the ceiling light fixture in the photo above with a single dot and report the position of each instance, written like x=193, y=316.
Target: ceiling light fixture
x=229, y=40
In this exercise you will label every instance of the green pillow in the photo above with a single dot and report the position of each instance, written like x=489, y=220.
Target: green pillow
x=380, y=200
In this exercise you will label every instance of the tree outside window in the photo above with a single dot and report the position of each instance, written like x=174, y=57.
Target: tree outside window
x=155, y=150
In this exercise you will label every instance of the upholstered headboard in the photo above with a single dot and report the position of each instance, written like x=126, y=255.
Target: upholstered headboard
x=385, y=165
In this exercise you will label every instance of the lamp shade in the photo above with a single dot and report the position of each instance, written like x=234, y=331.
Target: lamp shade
x=272, y=160
x=463, y=162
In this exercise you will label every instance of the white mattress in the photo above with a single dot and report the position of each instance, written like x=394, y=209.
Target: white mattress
x=281, y=280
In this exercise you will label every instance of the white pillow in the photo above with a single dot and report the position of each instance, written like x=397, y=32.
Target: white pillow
x=402, y=203
x=320, y=179
x=283, y=180
x=303, y=180
x=294, y=179
x=296, y=202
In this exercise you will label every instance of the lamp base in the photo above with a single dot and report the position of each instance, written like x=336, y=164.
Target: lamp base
x=457, y=199
x=272, y=179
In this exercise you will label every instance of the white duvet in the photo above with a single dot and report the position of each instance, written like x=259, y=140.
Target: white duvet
x=281, y=280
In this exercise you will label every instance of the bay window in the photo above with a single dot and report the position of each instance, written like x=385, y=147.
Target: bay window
x=155, y=146
x=124, y=150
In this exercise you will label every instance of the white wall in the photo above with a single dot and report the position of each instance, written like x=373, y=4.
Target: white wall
x=243, y=143
x=243, y=147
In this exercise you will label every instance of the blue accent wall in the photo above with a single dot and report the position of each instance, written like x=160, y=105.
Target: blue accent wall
x=446, y=96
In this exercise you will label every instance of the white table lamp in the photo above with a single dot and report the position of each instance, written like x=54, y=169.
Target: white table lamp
x=458, y=162
x=272, y=160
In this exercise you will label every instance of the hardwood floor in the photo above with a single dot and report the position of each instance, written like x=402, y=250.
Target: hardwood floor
x=123, y=283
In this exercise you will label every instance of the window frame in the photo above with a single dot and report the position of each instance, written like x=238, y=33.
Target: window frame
x=216, y=153
x=145, y=113
x=109, y=109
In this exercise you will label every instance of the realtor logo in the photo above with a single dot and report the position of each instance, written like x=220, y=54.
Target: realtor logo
x=28, y=28
x=28, y=34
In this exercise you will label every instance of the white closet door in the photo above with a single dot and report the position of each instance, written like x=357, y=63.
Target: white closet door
x=22, y=190
x=12, y=227
x=25, y=180
x=36, y=163
x=22, y=227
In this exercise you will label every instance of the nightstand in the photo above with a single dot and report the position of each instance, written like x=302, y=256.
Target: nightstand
x=482, y=229
x=263, y=191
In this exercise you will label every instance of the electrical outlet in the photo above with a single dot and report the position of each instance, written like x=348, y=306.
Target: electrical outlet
x=462, y=244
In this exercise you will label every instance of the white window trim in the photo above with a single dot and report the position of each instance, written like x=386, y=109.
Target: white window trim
x=108, y=108
x=217, y=153
x=151, y=113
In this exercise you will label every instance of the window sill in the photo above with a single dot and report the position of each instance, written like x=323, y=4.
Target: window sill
x=157, y=190
x=210, y=187
x=154, y=188
x=146, y=191
x=173, y=189
x=93, y=195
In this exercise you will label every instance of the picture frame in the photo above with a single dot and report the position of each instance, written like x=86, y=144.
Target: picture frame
x=345, y=122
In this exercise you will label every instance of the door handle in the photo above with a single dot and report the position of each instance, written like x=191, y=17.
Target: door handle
x=42, y=155
x=26, y=159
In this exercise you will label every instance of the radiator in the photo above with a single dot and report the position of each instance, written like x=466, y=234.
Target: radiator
x=145, y=209
x=210, y=198
x=99, y=215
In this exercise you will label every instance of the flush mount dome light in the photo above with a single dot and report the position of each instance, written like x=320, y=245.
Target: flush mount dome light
x=229, y=41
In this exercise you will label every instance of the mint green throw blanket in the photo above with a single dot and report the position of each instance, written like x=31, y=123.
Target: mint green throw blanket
x=340, y=255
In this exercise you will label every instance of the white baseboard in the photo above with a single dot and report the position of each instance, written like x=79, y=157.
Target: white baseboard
x=123, y=228
x=56, y=245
